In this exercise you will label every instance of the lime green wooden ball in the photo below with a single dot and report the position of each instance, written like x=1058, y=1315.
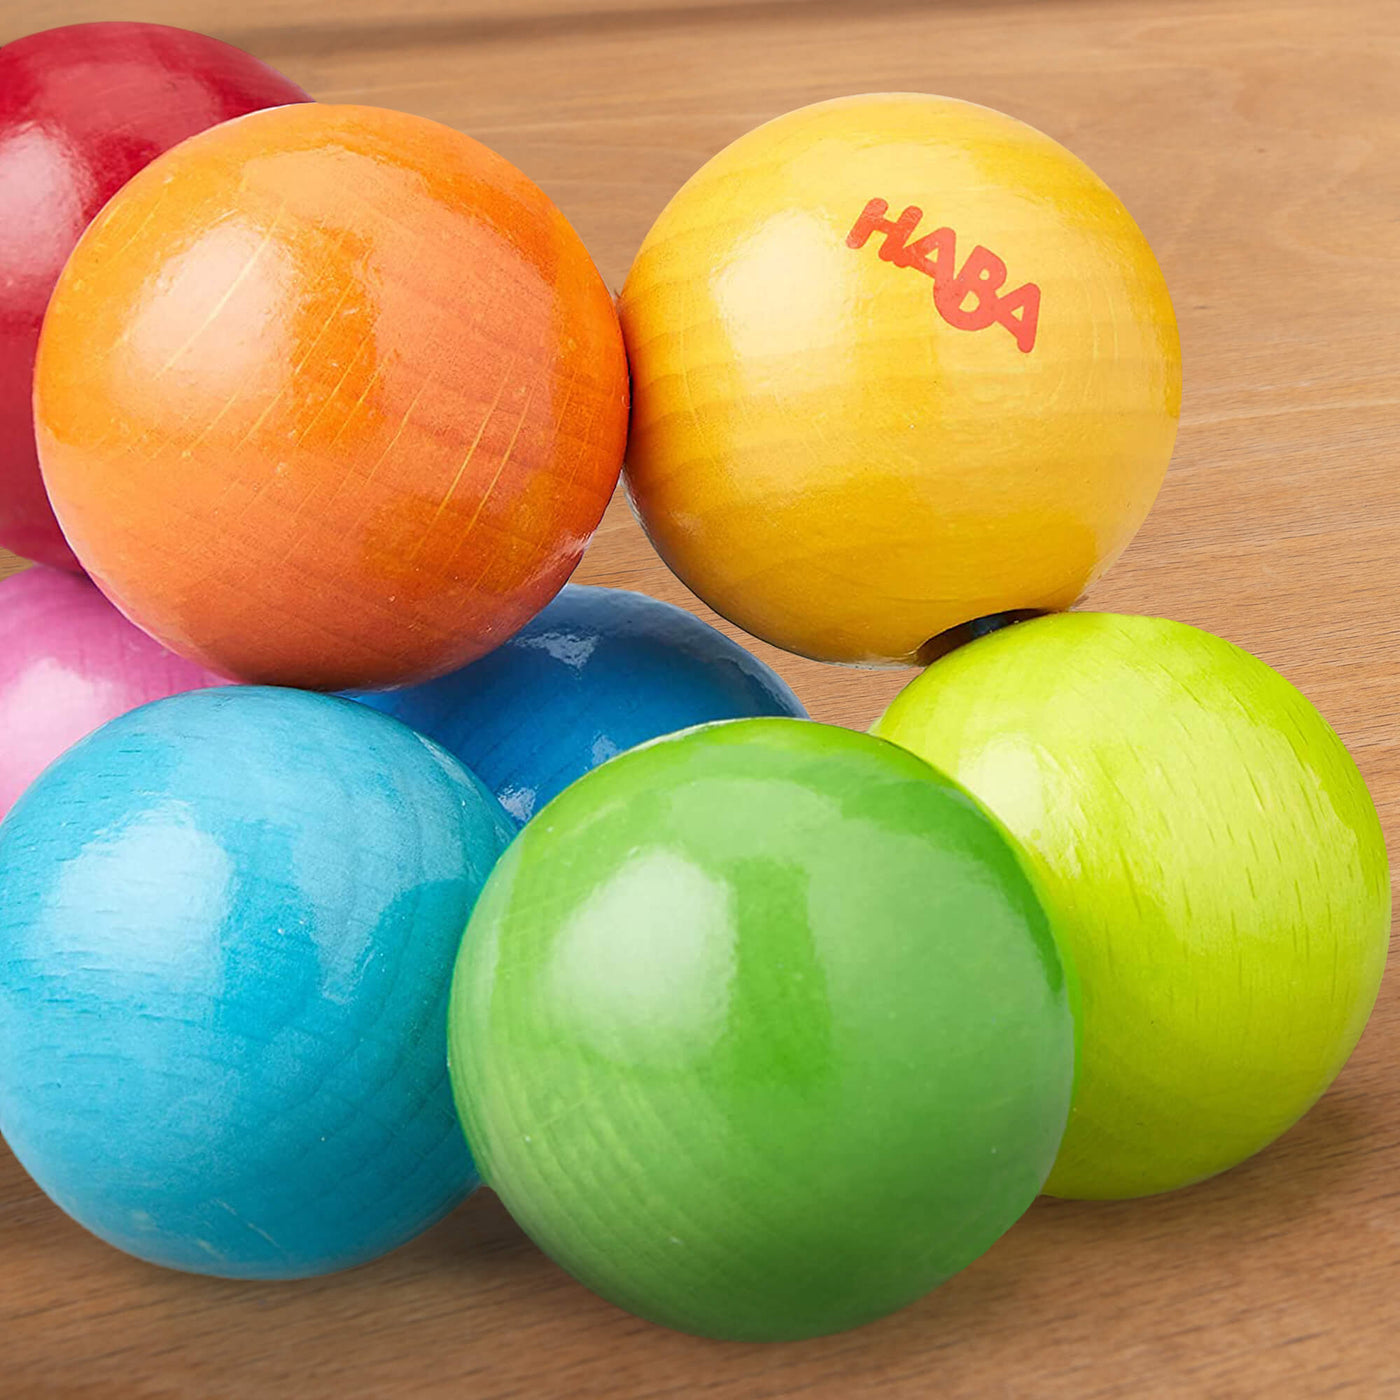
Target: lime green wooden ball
x=761, y=1031
x=1212, y=861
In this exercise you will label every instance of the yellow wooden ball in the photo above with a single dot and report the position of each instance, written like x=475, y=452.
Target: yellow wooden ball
x=899, y=362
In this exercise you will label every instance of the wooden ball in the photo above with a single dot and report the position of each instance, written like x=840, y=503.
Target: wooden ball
x=899, y=362
x=1212, y=863
x=82, y=109
x=598, y=672
x=760, y=1030
x=227, y=929
x=330, y=396
x=69, y=662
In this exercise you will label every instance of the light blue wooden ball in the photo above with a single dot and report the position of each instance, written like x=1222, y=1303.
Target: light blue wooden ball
x=227, y=928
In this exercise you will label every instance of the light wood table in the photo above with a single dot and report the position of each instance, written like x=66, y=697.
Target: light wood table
x=1257, y=145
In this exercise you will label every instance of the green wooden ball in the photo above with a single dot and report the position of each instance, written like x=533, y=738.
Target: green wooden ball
x=1212, y=861
x=760, y=1030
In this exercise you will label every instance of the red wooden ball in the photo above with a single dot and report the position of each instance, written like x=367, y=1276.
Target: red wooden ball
x=330, y=397
x=82, y=109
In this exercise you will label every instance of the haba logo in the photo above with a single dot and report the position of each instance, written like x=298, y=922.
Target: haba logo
x=982, y=276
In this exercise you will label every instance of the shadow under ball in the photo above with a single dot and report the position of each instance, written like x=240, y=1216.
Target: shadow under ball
x=760, y=1030
x=331, y=397
x=899, y=362
x=82, y=109
x=227, y=928
x=1211, y=859
x=69, y=662
x=599, y=671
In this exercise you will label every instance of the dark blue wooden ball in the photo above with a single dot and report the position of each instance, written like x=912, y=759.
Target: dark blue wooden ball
x=599, y=671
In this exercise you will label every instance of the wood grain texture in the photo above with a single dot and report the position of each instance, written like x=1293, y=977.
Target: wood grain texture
x=1255, y=144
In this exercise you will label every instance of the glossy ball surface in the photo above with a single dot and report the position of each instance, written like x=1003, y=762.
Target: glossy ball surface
x=760, y=1030
x=227, y=927
x=69, y=662
x=82, y=109
x=331, y=397
x=850, y=433
x=1212, y=861
x=598, y=672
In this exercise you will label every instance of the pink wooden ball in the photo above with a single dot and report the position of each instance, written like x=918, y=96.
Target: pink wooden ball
x=69, y=662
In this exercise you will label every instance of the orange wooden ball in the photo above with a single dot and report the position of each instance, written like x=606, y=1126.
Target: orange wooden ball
x=329, y=397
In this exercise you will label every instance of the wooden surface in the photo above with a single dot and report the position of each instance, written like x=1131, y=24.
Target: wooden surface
x=1256, y=144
